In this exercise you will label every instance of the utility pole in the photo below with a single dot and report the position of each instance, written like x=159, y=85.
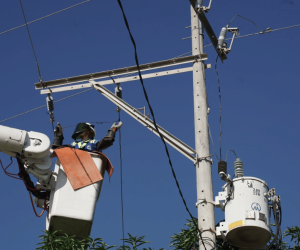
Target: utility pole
x=206, y=216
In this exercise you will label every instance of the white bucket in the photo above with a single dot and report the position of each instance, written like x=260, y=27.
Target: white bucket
x=71, y=211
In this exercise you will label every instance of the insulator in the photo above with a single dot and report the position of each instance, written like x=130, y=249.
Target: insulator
x=238, y=168
x=222, y=38
x=50, y=104
x=118, y=92
x=222, y=167
x=198, y=4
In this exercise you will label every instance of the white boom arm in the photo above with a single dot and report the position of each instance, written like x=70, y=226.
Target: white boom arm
x=169, y=138
x=32, y=148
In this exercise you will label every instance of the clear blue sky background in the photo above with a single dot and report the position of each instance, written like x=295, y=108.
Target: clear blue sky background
x=260, y=105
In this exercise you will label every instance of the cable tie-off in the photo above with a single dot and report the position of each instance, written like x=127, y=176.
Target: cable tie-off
x=200, y=201
x=206, y=158
x=210, y=230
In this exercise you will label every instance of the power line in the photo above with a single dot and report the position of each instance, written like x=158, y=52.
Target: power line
x=219, y=87
x=37, y=63
x=44, y=17
x=154, y=122
x=121, y=178
x=245, y=19
x=212, y=141
x=231, y=151
x=44, y=106
x=73, y=125
x=259, y=33
x=182, y=55
x=50, y=100
x=121, y=163
x=220, y=116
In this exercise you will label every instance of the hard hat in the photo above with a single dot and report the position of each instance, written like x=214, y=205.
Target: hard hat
x=82, y=127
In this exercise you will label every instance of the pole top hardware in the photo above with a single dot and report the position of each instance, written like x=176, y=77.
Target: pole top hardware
x=199, y=6
x=209, y=31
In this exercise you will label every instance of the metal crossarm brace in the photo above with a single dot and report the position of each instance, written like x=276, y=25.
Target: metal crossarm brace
x=147, y=122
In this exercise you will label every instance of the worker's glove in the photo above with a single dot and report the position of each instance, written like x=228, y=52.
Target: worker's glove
x=58, y=136
x=114, y=128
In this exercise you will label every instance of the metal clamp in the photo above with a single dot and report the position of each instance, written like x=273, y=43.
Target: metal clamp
x=206, y=158
x=199, y=7
x=205, y=230
x=200, y=201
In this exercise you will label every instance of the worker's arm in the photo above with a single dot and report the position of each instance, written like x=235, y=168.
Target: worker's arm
x=105, y=143
x=108, y=140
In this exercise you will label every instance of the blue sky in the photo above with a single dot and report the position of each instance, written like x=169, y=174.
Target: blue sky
x=260, y=105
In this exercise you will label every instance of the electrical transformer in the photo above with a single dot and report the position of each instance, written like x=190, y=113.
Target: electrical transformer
x=247, y=217
x=246, y=202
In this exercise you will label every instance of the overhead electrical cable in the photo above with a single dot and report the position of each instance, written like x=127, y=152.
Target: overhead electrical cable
x=44, y=17
x=37, y=63
x=245, y=19
x=73, y=125
x=154, y=122
x=44, y=105
x=182, y=55
x=219, y=86
x=121, y=178
x=119, y=94
x=259, y=33
x=231, y=151
x=220, y=107
x=49, y=98
x=212, y=141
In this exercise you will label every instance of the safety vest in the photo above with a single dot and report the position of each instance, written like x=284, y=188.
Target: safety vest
x=87, y=145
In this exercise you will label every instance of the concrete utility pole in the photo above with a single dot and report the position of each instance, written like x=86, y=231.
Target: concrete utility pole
x=206, y=216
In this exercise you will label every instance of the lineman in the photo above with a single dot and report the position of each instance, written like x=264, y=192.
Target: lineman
x=84, y=136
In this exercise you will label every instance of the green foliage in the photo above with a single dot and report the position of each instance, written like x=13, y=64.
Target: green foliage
x=135, y=242
x=52, y=241
x=187, y=239
x=294, y=233
x=225, y=245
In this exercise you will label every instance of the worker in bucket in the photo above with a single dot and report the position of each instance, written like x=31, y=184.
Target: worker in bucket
x=84, y=136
